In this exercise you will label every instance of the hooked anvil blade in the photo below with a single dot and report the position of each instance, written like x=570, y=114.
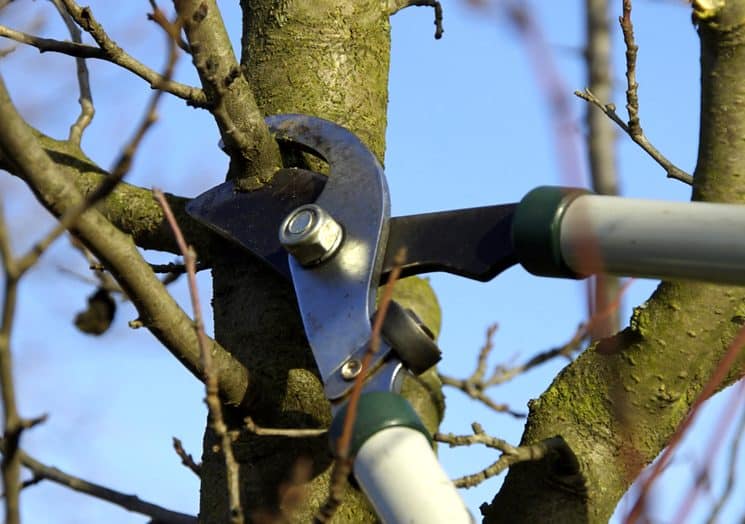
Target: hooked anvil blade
x=475, y=243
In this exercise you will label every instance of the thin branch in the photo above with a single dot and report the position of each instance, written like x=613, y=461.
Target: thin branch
x=128, y=502
x=107, y=50
x=186, y=458
x=50, y=45
x=118, y=172
x=174, y=31
x=13, y=424
x=397, y=5
x=510, y=454
x=632, y=87
x=633, y=127
x=86, y=99
x=253, y=151
x=641, y=139
x=210, y=375
x=254, y=428
x=11, y=464
x=475, y=386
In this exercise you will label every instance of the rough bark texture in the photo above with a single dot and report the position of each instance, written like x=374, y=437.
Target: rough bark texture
x=329, y=59
x=619, y=403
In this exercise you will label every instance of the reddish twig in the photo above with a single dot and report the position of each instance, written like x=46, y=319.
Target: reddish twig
x=720, y=372
x=209, y=374
x=343, y=463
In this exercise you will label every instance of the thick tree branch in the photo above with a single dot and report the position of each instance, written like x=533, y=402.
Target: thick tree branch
x=157, y=309
x=254, y=153
x=619, y=403
x=131, y=209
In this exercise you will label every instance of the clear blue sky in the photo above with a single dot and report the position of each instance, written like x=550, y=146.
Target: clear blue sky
x=467, y=127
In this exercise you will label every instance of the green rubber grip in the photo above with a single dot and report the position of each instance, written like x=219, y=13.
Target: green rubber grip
x=376, y=411
x=536, y=230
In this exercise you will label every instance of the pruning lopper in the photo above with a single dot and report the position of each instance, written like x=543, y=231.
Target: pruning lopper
x=333, y=238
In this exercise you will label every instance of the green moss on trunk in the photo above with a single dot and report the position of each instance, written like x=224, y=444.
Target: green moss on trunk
x=327, y=58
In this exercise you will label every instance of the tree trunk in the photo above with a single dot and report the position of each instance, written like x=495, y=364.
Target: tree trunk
x=327, y=58
x=618, y=404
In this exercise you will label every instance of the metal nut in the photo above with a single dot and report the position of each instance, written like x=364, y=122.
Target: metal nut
x=310, y=235
x=351, y=368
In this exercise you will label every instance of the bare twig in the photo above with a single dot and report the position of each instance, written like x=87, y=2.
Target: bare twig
x=210, y=376
x=254, y=428
x=397, y=5
x=343, y=463
x=108, y=50
x=633, y=127
x=128, y=502
x=118, y=172
x=475, y=386
x=632, y=87
x=186, y=458
x=510, y=454
x=174, y=31
x=86, y=100
x=610, y=110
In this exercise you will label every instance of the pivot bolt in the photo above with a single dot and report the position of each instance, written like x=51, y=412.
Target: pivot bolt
x=310, y=235
x=351, y=368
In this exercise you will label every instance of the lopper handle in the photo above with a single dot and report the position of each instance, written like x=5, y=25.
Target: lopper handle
x=395, y=465
x=570, y=233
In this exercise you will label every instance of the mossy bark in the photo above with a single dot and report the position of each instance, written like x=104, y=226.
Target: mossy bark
x=618, y=404
x=327, y=58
